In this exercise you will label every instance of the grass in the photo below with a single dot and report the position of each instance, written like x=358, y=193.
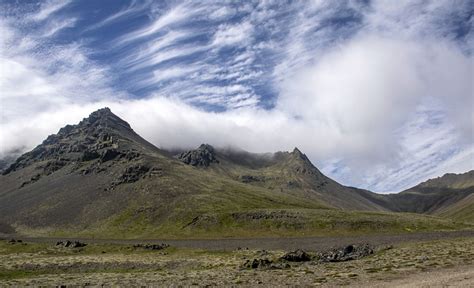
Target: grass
x=41, y=264
x=263, y=223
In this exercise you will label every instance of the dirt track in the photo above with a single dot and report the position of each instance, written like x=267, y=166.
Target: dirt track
x=308, y=243
x=451, y=277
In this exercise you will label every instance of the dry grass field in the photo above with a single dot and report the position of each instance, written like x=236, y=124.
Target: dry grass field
x=410, y=264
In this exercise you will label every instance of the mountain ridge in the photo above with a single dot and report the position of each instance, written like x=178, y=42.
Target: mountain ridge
x=100, y=177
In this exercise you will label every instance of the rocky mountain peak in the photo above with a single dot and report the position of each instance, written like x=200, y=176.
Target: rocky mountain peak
x=95, y=137
x=297, y=154
x=203, y=156
x=104, y=118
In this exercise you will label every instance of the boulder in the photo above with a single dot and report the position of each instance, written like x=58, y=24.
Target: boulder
x=350, y=252
x=296, y=256
x=70, y=244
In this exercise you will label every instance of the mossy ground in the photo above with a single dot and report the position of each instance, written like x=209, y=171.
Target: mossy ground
x=98, y=264
x=254, y=223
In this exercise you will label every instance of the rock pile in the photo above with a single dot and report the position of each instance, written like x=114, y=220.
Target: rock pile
x=70, y=244
x=151, y=246
x=296, y=256
x=347, y=253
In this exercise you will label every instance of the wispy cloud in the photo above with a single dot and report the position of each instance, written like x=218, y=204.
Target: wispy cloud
x=135, y=7
x=240, y=33
x=376, y=93
x=174, y=15
x=48, y=8
x=55, y=26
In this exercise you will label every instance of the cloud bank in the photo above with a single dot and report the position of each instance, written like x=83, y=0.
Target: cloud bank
x=382, y=106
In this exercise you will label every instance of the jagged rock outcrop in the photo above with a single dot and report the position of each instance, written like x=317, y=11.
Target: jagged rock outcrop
x=202, y=157
x=101, y=137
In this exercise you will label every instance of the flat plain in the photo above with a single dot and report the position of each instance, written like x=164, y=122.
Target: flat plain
x=413, y=260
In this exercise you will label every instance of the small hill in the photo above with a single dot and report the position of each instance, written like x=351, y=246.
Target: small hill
x=462, y=210
x=440, y=196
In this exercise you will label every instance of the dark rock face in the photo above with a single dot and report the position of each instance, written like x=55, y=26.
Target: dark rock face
x=203, y=156
x=133, y=173
x=89, y=155
x=70, y=244
x=251, y=178
x=109, y=154
x=347, y=253
x=296, y=256
x=32, y=180
x=97, y=137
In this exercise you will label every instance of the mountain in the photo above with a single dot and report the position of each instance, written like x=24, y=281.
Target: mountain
x=101, y=179
x=291, y=173
x=450, y=195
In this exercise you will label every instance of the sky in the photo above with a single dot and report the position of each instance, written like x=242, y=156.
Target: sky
x=378, y=94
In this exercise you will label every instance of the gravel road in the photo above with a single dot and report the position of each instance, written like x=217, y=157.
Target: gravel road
x=274, y=243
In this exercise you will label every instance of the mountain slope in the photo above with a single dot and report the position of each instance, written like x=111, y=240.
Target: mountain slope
x=291, y=173
x=462, y=210
x=99, y=178
x=435, y=194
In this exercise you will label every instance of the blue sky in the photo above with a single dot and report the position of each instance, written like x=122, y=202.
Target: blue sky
x=377, y=93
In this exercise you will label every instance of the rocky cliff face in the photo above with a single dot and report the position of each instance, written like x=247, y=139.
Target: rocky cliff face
x=93, y=138
x=203, y=156
x=87, y=147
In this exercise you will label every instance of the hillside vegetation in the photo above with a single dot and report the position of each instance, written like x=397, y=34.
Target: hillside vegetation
x=100, y=179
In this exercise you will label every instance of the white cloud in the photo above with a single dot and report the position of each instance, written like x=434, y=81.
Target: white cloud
x=175, y=15
x=240, y=34
x=57, y=25
x=48, y=8
x=135, y=7
x=360, y=106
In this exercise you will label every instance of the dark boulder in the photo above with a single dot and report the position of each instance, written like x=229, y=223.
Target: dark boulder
x=350, y=252
x=70, y=244
x=296, y=256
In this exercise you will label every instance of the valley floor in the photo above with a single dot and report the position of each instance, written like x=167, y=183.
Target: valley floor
x=422, y=261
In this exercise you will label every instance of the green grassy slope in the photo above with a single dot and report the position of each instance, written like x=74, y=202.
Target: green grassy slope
x=100, y=179
x=460, y=211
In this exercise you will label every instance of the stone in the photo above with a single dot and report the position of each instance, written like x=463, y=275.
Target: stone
x=347, y=253
x=70, y=244
x=296, y=256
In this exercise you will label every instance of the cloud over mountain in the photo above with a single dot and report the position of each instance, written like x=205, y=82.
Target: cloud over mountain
x=371, y=99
